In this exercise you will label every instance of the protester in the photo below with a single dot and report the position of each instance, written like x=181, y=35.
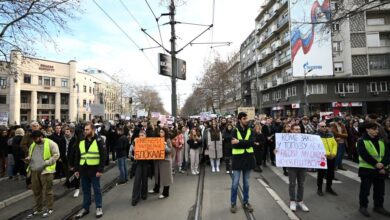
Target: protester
x=260, y=141
x=243, y=161
x=195, y=143
x=296, y=175
x=90, y=160
x=177, y=153
x=163, y=168
x=269, y=133
x=340, y=133
x=214, y=144
x=18, y=153
x=3, y=152
x=42, y=157
x=140, y=187
x=227, y=147
x=71, y=148
x=121, y=155
x=330, y=145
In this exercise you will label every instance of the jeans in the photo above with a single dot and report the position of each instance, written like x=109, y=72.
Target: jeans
x=329, y=175
x=86, y=183
x=122, y=168
x=296, y=175
x=340, y=155
x=236, y=181
x=194, y=154
x=140, y=186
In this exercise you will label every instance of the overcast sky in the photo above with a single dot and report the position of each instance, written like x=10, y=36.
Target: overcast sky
x=96, y=42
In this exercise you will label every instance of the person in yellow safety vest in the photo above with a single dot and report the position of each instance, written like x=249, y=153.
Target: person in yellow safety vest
x=330, y=144
x=374, y=157
x=89, y=165
x=42, y=156
x=243, y=160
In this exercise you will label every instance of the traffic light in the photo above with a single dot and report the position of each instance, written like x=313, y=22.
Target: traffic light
x=130, y=100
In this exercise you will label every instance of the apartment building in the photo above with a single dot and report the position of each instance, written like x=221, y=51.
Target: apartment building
x=360, y=82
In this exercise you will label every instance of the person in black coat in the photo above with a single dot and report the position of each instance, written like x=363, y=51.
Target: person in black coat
x=227, y=146
x=260, y=142
x=269, y=132
x=121, y=154
x=62, y=163
x=71, y=144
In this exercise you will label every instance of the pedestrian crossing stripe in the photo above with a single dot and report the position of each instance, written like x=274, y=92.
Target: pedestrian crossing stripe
x=349, y=174
x=285, y=179
x=351, y=164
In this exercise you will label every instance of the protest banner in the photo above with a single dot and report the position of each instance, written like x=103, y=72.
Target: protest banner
x=4, y=118
x=300, y=150
x=250, y=111
x=149, y=149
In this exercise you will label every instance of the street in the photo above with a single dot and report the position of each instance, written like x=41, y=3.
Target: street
x=268, y=196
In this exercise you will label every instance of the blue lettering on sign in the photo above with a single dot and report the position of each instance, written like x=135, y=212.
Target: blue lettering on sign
x=306, y=66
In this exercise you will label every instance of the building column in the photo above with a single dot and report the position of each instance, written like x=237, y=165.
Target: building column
x=73, y=107
x=34, y=105
x=58, y=106
x=14, y=89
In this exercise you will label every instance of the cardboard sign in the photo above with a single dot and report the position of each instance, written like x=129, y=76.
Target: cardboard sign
x=250, y=111
x=300, y=150
x=149, y=149
x=4, y=118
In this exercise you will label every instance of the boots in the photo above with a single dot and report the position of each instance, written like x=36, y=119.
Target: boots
x=217, y=165
x=212, y=163
x=165, y=193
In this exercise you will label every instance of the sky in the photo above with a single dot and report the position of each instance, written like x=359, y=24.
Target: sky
x=94, y=41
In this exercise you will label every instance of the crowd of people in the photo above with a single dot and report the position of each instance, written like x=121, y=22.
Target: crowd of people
x=39, y=153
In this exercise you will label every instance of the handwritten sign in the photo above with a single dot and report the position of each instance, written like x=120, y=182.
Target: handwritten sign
x=300, y=150
x=250, y=111
x=149, y=149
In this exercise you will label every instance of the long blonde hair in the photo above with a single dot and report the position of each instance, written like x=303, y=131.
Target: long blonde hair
x=192, y=136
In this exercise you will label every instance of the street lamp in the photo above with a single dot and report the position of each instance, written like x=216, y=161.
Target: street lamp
x=306, y=109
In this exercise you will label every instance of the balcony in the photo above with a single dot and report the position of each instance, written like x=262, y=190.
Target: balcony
x=25, y=105
x=46, y=106
x=274, y=83
x=64, y=106
x=269, y=67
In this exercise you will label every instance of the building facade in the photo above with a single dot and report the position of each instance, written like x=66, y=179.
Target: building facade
x=232, y=93
x=361, y=58
x=34, y=89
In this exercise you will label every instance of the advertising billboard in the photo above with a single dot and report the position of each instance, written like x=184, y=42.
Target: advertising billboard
x=311, y=38
x=165, y=66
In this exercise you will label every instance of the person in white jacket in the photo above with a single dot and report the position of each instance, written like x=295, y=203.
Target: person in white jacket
x=215, y=146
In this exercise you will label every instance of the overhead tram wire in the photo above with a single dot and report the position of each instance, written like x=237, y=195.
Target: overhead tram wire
x=124, y=32
x=158, y=25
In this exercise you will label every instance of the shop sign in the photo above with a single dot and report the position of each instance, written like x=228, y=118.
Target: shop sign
x=295, y=105
x=346, y=104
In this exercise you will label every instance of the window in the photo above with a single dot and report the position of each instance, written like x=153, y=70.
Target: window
x=64, y=100
x=378, y=86
x=380, y=61
x=317, y=89
x=347, y=88
x=84, y=103
x=85, y=89
x=40, y=80
x=84, y=117
x=336, y=26
x=3, y=99
x=27, y=78
x=46, y=81
x=277, y=95
x=266, y=97
x=375, y=21
x=338, y=67
x=373, y=40
x=64, y=83
x=3, y=81
x=292, y=91
x=53, y=81
x=337, y=46
x=90, y=90
x=334, y=6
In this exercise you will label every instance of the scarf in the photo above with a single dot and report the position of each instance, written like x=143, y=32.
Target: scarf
x=215, y=134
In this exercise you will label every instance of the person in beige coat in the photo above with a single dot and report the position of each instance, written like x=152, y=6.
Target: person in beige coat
x=215, y=146
x=163, y=168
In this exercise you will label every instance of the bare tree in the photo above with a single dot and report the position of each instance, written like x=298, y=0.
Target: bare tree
x=24, y=23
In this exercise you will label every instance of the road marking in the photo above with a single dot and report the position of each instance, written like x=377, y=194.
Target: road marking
x=291, y=215
x=314, y=175
x=349, y=174
x=279, y=172
x=351, y=164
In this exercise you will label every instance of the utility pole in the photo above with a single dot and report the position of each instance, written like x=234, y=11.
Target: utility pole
x=173, y=56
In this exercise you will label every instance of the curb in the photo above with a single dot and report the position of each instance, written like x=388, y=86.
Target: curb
x=23, y=195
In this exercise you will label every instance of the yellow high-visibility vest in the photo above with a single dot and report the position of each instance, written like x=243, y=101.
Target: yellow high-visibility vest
x=46, y=155
x=92, y=157
x=373, y=152
x=247, y=136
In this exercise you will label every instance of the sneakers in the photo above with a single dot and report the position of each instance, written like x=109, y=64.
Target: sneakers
x=293, y=206
x=152, y=191
x=76, y=193
x=248, y=207
x=233, y=209
x=193, y=173
x=82, y=213
x=197, y=172
x=162, y=197
x=303, y=207
x=213, y=170
x=227, y=171
x=47, y=213
x=364, y=211
x=217, y=169
x=99, y=212
x=32, y=215
x=382, y=211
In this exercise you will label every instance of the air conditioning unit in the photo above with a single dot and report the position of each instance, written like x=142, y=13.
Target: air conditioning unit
x=266, y=17
x=263, y=70
x=279, y=81
x=275, y=63
x=261, y=39
x=268, y=51
x=260, y=56
x=276, y=7
x=376, y=93
x=278, y=43
x=4, y=87
x=342, y=95
x=269, y=84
